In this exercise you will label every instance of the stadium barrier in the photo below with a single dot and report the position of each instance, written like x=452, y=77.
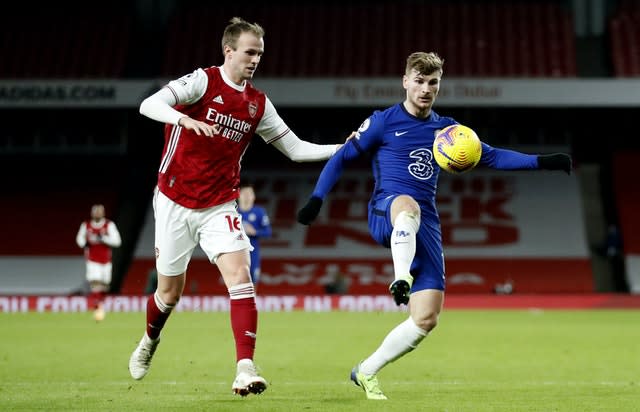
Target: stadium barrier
x=321, y=303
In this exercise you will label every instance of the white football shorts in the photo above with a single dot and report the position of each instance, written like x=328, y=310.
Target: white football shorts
x=178, y=230
x=99, y=272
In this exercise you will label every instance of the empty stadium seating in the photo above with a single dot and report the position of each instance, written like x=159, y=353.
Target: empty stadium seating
x=624, y=31
x=373, y=39
x=47, y=198
x=65, y=42
x=351, y=38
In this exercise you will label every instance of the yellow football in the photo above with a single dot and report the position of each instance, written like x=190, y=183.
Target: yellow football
x=457, y=149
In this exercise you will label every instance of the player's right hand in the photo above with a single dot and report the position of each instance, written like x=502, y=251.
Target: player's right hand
x=200, y=128
x=310, y=211
x=249, y=229
x=351, y=136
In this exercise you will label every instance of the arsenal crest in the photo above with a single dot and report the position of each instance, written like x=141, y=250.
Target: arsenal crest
x=253, y=109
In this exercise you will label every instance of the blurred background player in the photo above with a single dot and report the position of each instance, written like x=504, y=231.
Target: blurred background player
x=211, y=115
x=97, y=236
x=256, y=225
x=402, y=211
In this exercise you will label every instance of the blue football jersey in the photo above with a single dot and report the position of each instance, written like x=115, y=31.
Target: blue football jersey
x=402, y=162
x=258, y=218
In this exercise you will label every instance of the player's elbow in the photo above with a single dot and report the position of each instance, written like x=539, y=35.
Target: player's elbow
x=298, y=158
x=144, y=107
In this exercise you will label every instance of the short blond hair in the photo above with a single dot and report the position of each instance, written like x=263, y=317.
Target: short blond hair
x=236, y=27
x=424, y=63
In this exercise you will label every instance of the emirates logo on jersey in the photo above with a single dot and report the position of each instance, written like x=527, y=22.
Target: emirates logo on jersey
x=253, y=109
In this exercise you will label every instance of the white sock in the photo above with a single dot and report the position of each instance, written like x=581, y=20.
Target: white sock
x=401, y=340
x=243, y=365
x=403, y=242
x=242, y=291
x=164, y=307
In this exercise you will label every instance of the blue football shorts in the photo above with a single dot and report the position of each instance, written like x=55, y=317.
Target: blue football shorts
x=427, y=268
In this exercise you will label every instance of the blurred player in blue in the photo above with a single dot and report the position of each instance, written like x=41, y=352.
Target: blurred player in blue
x=402, y=209
x=256, y=225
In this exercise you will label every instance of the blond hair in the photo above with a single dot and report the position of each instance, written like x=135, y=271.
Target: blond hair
x=236, y=27
x=424, y=63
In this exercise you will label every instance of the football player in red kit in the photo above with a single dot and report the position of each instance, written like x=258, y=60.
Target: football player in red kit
x=97, y=237
x=211, y=116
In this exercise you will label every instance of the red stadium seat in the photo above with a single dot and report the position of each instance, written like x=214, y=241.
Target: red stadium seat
x=624, y=32
x=360, y=39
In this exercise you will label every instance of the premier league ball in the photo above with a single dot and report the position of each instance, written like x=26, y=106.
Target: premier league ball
x=457, y=149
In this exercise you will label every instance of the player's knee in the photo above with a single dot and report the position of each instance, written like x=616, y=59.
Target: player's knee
x=427, y=322
x=406, y=206
x=241, y=274
x=169, y=296
x=245, y=273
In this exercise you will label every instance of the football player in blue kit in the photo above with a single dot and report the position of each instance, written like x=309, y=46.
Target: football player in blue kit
x=256, y=225
x=402, y=210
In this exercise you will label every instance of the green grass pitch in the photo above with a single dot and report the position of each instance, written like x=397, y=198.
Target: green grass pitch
x=474, y=361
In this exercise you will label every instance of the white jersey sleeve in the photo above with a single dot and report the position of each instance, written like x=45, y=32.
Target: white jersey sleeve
x=81, y=237
x=112, y=238
x=271, y=126
x=185, y=90
x=190, y=88
x=274, y=130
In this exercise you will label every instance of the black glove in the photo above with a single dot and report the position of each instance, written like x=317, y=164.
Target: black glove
x=556, y=161
x=310, y=211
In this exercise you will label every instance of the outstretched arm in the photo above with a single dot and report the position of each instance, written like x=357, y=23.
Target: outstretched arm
x=504, y=159
x=275, y=132
x=328, y=178
x=302, y=151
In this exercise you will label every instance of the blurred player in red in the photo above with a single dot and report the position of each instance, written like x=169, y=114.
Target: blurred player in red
x=97, y=237
x=256, y=225
x=211, y=115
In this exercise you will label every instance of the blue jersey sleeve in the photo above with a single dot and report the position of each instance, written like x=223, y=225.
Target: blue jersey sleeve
x=333, y=169
x=504, y=159
x=367, y=138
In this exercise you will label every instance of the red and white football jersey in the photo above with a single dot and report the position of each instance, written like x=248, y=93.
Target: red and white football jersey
x=95, y=235
x=200, y=171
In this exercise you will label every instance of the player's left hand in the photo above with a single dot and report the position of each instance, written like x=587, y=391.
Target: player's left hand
x=310, y=211
x=555, y=161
